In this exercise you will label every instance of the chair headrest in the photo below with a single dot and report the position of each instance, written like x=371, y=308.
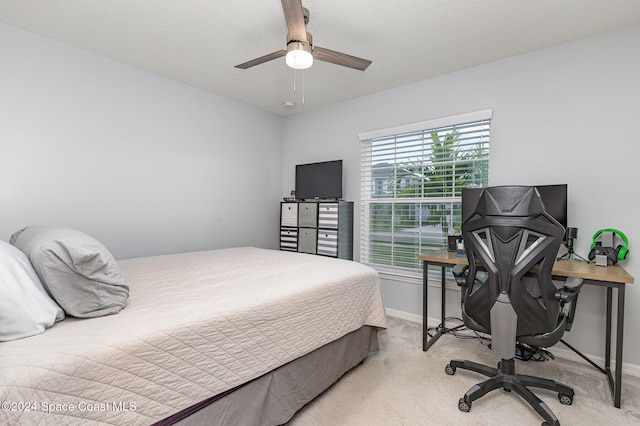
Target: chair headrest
x=514, y=201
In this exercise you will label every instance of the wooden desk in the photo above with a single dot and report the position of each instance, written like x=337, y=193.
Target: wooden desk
x=610, y=277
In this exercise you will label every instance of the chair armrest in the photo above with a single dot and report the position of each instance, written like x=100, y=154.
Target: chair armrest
x=569, y=293
x=573, y=284
x=459, y=273
x=570, y=290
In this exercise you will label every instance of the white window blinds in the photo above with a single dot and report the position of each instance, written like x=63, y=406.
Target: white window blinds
x=412, y=178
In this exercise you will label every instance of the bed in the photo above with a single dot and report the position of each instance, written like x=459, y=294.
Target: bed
x=231, y=336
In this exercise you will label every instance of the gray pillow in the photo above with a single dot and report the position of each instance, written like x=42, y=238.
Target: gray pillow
x=25, y=307
x=76, y=269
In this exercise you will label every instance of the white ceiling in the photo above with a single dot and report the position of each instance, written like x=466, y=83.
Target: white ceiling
x=199, y=42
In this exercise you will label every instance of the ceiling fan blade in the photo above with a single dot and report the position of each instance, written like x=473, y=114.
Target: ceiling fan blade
x=294, y=15
x=338, y=58
x=262, y=59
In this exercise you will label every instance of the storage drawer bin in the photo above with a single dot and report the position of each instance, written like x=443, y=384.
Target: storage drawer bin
x=288, y=214
x=328, y=215
x=307, y=240
x=328, y=242
x=308, y=215
x=289, y=239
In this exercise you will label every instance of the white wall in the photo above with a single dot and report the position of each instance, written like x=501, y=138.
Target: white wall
x=145, y=164
x=566, y=114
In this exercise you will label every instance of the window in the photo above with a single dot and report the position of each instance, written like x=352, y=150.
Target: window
x=412, y=179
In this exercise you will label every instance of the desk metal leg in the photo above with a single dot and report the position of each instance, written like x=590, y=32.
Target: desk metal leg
x=619, y=338
x=441, y=329
x=615, y=384
x=443, y=299
x=607, y=344
x=425, y=301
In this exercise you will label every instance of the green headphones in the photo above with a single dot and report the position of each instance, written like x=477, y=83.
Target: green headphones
x=620, y=252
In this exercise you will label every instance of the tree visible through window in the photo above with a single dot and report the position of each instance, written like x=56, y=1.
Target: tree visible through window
x=412, y=181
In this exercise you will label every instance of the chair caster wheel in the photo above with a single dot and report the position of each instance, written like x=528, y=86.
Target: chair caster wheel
x=565, y=399
x=464, y=406
x=450, y=370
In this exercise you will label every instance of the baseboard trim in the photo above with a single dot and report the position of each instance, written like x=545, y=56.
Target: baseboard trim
x=406, y=316
x=558, y=350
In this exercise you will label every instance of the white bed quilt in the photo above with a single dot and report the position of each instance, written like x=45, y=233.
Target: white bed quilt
x=196, y=324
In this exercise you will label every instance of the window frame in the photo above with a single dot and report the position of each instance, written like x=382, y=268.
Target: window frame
x=370, y=198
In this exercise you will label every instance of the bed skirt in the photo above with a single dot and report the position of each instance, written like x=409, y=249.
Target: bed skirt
x=275, y=397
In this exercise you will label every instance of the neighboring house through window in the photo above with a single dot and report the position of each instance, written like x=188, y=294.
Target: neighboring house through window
x=412, y=179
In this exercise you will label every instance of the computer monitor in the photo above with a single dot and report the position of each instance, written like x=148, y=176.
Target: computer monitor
x=554, y=198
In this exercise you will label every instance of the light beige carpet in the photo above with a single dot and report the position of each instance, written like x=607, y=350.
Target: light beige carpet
x=402, y=385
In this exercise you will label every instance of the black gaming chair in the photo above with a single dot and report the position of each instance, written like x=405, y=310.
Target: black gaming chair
x=507, y=291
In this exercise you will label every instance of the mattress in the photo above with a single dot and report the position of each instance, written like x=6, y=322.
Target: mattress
x=196, y=324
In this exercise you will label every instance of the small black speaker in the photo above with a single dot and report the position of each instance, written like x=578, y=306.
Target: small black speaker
x=452, y=242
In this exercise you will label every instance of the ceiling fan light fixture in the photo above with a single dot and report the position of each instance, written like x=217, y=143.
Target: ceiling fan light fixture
x=299, y=55
x=301, y=51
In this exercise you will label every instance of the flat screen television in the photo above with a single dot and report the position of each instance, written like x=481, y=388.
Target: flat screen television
x=554, y=198
x=319, y=181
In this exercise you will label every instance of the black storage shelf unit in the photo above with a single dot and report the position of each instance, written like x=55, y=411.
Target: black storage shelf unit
x=321, y=227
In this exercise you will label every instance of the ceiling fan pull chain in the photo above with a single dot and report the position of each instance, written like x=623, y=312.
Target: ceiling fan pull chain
x=302, y=87
x=294, y=81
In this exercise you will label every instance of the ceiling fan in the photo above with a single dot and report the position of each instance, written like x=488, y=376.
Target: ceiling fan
x=300, y=51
